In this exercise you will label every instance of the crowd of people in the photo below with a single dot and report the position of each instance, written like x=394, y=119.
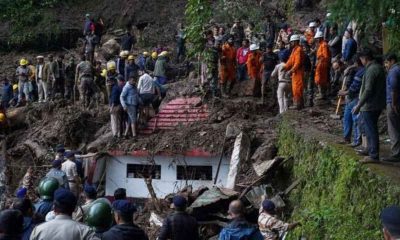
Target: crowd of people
x=295, y=64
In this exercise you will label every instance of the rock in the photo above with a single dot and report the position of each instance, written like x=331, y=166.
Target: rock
x=262, y=168
x=110, y=49
x=266, y=151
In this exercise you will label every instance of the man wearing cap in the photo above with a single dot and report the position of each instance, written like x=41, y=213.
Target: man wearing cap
x=179, y=225
x=322, y=66
x=69, y=167
x=239, y=227
x=11, y=224
x=121, y=61
x=390, y=219
x=227, y=67
x=57, y=173
x=271, y=227
x=60, y=151
x=42, y=86
x=254, y=71
x=124, y=229
x=295, y=67
x=371, y=103
x=62, y=227
x=22, y=73
x=90, y=194
x=269, y=60
x=84, y=78
x=51, y=73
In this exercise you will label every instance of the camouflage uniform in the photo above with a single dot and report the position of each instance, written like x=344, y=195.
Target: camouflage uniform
x=271, y=227
x=211, y=60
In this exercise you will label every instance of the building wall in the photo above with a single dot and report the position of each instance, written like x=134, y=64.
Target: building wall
x=116, y=175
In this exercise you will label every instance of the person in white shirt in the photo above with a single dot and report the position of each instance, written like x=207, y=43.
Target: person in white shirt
x=284, y=86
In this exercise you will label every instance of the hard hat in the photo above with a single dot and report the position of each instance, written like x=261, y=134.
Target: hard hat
x=15, y=86
x=154, y=55
x=99, y=216
x=111, y=65
x=319, y=34
x=146, y=54
x=131, y=57
x=2, y=117
x=23, y=62
x=124, y=54
x=312, y=24
x=328, y=14
x=254, y=47
x=40, y=57
x=47, y=187
x=103, y=73
x=294, y=37
x=163, y=54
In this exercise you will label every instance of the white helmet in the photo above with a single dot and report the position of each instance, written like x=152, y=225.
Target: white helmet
x=254, y=47
x=295, y=37
x=312, y=24
x=319, y=35
x=328, y=14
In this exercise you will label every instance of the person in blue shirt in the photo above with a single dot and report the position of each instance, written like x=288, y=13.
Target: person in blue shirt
x=131, y=68
x=130, y=101
x=393, y=106
x=350, y=47
x=30, y=219
x=354, y=76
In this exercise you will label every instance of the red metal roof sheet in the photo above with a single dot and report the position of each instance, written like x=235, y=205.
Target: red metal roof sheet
x=180, y=111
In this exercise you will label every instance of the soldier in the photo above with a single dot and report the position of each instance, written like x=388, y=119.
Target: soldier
x=70, y=69
x=211, y=60
x=84, y=77
x=47, y=187
x=57, y=173
x=99, y=217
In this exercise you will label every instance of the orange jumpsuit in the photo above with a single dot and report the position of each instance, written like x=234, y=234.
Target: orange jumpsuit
x=295, y=64
x=227, y=70
x=322, y=68
x=254, y=71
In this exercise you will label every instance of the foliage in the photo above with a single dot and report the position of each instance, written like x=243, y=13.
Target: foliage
x=30, y=21
x=338, y=197
x=371, y=14
x=198, y=13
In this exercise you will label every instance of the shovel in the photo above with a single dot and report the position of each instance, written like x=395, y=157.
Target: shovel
x=337, y=116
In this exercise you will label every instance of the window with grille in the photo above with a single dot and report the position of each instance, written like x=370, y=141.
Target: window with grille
x=194, y=173
x=143, y=171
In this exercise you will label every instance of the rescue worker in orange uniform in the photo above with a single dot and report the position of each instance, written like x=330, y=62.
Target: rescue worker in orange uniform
x=322, y=67
x=310, y=33
x=254, y=65
x=295, y=67
x=227, y=68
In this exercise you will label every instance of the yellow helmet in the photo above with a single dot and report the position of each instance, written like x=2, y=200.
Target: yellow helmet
x=23, y=62
x=111, y=65
x=154, y=55
x=15, y=86
x=163, y=54
x=131, y=57
x=146, y=54
x=103, y=73
x=2, y=117
x=124, y=54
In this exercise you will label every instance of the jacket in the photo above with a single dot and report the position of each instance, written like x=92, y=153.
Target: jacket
x=130, y=69
x=29, y=225
x=60, y=176
x=125, y=232
x=7, y=93
x=150, y=63
x=240, y=229
x=350, y=48
x=115, y=95
x=62, y=228
x=179, y=226
x=161, y=67
x=129, y=95
x=43, y=207
x=373, y=88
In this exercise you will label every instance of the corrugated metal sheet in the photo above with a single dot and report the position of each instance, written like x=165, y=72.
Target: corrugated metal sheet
x=180, y=111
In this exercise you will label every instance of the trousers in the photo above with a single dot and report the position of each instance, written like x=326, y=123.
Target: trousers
x=43, y=90
x=283, y=96
x=393, y=121
x=370, y=125
x=351, y=123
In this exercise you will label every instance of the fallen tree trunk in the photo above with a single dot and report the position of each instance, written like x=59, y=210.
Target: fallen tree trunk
x=38, y=151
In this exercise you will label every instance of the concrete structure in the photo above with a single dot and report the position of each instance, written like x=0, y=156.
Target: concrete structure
x=169, y=173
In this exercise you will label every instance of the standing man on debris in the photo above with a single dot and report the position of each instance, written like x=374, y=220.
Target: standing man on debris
x=52, y=74
x=121, y=61
x=151, y=63
x=40, y=79
x=284, y=83
x=269, y=60
x=59, y=83
x=237, y=31
x=393, y=105
x=131, y=67
x=115, y=107
x=211, y=57
x=124, y=229
x=69, y=167
x=180, y=43
x=227, y=68
x=271, y=227
x=128, y=40
x=22, y=73
x=57, y=173
x=254, y=71
x=270, y=30
x=160, y=69
x=322, y=66
x=350, y=46
x=241, y=58
x=84, y=78
x=130, y=101
x=239, y=228
x=295, y=67
x=62, y=227
x=371, y=104
x=187, y=229
x=70, y=69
